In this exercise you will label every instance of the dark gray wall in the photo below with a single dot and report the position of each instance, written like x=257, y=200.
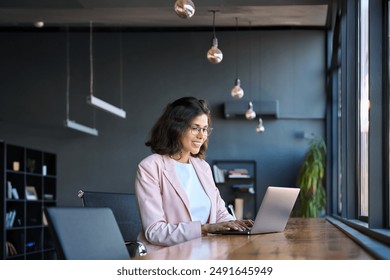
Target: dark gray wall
x=158, y=67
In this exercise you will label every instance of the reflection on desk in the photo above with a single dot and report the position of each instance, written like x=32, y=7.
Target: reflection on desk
x=303, y=239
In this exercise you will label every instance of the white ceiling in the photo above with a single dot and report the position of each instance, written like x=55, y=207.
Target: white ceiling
x=160, y=13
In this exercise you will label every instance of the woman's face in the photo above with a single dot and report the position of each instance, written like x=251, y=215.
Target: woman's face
x=193, y=139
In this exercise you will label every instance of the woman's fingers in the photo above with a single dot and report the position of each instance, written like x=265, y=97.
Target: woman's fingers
x=231, y=225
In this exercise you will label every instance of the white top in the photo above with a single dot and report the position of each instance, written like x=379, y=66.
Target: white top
x=200, y=204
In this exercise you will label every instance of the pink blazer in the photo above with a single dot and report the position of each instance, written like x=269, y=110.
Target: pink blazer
x=163, y=203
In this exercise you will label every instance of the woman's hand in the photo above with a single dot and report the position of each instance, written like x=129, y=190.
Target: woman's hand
x=249, y=223
x=239, y=225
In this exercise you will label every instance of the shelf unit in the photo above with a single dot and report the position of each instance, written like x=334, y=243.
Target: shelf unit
x=237, y=179
x=24, y=232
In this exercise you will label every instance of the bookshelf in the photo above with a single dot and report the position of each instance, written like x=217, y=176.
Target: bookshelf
x=24, y=233
x=236, y=179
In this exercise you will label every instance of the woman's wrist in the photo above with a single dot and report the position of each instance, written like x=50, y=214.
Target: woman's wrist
x=205, y=229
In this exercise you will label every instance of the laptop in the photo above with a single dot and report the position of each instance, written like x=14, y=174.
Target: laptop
x=273, y=213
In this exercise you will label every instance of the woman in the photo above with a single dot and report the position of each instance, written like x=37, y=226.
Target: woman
x=176, y=193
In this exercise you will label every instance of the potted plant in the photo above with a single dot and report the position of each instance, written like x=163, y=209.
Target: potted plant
x=312, y=197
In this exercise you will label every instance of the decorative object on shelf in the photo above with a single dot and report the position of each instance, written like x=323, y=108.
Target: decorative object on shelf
x=214, y=55
x=237, y=92
x=93, y=100
x=260, y=127
x=30, y=165
x=31, y=193
x=44, y=170
x=312, y=196
x=48, y=196
x=239, y=208
x=16, y=166
x=184, y=8
x=70, y=123
x=250, y=114
x=39, y=24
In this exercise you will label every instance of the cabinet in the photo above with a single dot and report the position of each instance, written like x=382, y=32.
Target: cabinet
x=237, y=179
x=28, y=179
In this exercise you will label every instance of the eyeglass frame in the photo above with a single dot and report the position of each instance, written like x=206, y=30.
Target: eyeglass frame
x=195, y=129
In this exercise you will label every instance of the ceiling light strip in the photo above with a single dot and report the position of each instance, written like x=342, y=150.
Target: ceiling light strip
x=101, y=104
x=80, y=127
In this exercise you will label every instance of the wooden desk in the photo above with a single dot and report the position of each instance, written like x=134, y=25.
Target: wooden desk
x=303, y=239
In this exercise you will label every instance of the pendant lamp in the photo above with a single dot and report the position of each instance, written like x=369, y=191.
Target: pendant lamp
x=68, y=122
x=92, y=99
x=237, y=92
x=184, y=8
x=260, y=127
x=214, y=55
x=250, y=114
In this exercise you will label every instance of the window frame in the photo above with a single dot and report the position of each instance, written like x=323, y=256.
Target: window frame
x=372, y=233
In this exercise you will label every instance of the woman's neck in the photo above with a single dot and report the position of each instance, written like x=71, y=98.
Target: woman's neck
x=180, y=157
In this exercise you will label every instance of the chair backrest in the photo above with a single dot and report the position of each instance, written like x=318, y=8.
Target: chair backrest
x=123, y=205
x=86, y=233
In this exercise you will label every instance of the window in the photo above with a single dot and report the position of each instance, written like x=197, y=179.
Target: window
x=388, y=94
x=363, y=86
x=360, y=195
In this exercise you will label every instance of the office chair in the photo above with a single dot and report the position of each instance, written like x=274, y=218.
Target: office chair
x=125, y=209
x=86, y=234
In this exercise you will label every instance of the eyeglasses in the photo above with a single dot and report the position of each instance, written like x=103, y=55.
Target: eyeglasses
x=205, y=131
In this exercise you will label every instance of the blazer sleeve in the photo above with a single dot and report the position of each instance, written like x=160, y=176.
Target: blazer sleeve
x=157, y=223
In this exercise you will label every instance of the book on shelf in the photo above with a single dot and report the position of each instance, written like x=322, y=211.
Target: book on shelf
x=44, y=219
x=10, y=249
x=238, y=173
x=9, y=189
x=219, y=174
x=10, y=219
x=48, y=196
x=15, y=193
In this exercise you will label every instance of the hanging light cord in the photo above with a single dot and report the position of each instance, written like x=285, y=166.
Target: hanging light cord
x=214, y=25
x=250, y=65
x=67, y=73
x=121, y=70
x=90, y=60
x=91, y=70
x=236, y=48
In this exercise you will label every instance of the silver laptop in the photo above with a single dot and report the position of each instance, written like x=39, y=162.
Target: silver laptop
x=273, y=213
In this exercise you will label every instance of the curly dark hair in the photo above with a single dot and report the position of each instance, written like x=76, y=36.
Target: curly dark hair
x=174, y=122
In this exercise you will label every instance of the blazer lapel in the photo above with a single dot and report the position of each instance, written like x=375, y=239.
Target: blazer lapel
x=170, y=174
x=204, y=180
